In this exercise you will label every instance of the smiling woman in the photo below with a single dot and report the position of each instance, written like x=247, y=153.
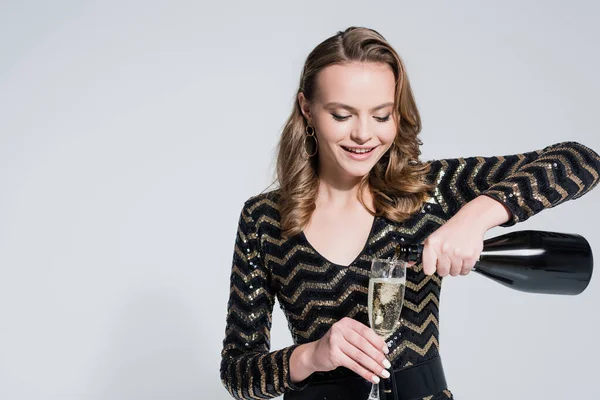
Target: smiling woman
x=363, y=133
x=352, y=188
x=355, y=95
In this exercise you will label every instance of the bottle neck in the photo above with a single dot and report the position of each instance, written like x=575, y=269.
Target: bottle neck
x=409, y=252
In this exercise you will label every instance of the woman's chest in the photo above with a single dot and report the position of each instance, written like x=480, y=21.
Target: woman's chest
x=310, y=286
x=340, y=237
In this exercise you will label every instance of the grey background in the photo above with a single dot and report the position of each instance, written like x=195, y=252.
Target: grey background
x=132, y=132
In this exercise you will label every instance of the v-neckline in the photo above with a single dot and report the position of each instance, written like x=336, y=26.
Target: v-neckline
x=360, y=254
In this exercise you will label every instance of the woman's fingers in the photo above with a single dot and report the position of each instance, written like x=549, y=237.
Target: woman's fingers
x=446, y=259
x=362, y=364
x=375, y=354
x=349, y=363
x=443, y=265
x=354, y=345
x=360, y=348
x=443, y=261
x=468, y=264
x=429, y=259
x=456, y=260
x=369, y=334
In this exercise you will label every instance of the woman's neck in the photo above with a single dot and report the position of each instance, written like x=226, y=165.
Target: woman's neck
x=341, y=193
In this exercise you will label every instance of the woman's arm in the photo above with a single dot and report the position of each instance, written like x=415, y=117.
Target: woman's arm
x=524, y=183
x=248, y=369
x=479, y=193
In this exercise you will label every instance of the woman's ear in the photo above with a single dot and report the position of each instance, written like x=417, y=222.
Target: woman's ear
x=304, y=107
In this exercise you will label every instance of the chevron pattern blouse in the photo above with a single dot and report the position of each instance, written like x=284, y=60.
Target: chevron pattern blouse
x=314, y=293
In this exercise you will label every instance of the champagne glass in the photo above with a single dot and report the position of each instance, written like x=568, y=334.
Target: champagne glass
x=387, y=280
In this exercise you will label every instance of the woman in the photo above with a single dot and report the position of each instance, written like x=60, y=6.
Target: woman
x=351, y=187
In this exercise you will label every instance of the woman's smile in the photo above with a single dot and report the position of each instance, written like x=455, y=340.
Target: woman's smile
x=359, y=153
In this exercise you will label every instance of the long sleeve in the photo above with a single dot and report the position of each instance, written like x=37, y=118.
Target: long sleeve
x=248, y=370
x=525, y=183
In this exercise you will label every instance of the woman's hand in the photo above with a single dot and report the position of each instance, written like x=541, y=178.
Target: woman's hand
x=454, y=248
x=353, y=345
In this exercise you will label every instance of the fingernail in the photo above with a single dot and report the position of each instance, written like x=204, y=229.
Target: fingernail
x=386, y=363
x=385, y=373
x=386, y=350
x=375, y=379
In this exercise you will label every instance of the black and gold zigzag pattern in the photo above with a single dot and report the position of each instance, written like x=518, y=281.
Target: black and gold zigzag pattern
x=526, y=183
x=315, y=293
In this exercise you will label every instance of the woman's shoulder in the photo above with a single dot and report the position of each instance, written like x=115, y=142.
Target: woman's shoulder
x=264, y=204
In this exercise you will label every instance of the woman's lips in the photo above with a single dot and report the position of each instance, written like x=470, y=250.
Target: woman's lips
x=357, y=153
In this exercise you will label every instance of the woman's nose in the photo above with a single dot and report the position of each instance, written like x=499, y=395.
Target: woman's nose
x=361, y=133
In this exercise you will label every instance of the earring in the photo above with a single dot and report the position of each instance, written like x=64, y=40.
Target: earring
x=310, y=134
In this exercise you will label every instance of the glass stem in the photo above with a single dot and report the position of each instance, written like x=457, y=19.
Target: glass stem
x=374, y=395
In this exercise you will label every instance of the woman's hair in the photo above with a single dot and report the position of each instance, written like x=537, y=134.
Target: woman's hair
x=397, y=182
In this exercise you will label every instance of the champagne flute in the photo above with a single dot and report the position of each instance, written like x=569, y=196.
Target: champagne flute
x=387, y=280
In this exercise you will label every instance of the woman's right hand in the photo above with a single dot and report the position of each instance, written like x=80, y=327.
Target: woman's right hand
x=351, y=344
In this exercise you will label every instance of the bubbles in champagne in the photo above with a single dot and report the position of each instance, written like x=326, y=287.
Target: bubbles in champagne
x=385, y=303
x=387, y=293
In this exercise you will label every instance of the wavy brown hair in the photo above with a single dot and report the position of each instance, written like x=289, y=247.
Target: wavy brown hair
x=397, y=182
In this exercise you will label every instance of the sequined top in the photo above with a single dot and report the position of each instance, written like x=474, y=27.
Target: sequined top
x=314, y=293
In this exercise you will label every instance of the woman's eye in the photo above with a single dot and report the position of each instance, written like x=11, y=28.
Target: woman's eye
x=345, y=117
x=340, y=117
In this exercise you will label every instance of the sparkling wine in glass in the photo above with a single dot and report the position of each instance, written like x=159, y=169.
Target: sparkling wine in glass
x=387, y=280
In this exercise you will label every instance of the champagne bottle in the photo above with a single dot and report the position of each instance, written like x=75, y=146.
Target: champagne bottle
x=530, y=261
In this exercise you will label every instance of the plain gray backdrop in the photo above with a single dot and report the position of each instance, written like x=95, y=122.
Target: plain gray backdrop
x=132, y=132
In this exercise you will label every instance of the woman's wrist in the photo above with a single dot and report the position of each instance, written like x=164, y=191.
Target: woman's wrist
x=301, y=366
x=486, y=211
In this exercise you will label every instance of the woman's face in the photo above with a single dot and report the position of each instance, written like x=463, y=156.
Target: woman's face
x=351, y=114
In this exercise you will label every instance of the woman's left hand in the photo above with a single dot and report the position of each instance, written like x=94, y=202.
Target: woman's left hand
x=454, y=248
